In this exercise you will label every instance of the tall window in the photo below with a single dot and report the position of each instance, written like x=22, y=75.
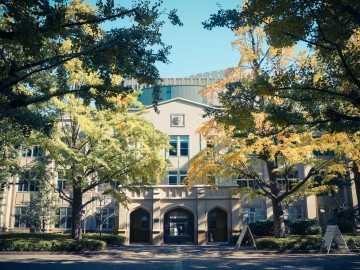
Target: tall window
x=180, y=145
x=32, y=152
x=105, y=217
x=63, y=218
x=28, y=182
x=251, y=215
x=168, y=93
x=20, y=217
x=293, y=213
x=176, y=177
x=62, y=180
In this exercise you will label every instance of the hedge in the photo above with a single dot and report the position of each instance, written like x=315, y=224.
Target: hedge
x=56, y=242
x=36, y=244
x=298, y=227
x=111, y=240
x=302, y=242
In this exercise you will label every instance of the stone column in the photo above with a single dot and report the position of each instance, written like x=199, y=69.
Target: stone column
x=123, y=223
x=236, y=221
x=157, y=234
x=201, y=215
x=311, y=207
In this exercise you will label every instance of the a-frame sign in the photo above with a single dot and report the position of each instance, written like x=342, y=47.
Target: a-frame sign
x=246, y=230
x=333, y=233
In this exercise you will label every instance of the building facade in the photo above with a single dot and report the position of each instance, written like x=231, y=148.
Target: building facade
x=169, y=213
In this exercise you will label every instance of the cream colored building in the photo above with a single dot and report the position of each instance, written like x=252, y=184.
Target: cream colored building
x=168, y=212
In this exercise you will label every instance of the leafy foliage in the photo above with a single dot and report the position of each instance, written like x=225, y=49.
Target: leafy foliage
x=38, y=37
x=324, y=82
x=92, y=147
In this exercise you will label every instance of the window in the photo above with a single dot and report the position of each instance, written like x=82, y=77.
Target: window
x=177, y=120
x=168, y=93
x=28, y=182
x=62, y=179
x=176, y=177
x=172, y=178
x=251, y=215
x=63, y=215
x=20, y=217
x=113, y=184
x=180, y=146
x=105, y=217
x=292, y=177
x=293, y=213
x=326, y=153
x=246, y=182
x=144, y=223
x=32, y=152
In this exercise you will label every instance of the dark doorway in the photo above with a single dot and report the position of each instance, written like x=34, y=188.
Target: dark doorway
x=140, y=226
x=179, y=227
x=217, y=226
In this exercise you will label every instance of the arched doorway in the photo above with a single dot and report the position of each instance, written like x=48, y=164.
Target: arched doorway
x=140, y=226
x=178, y=226
x=217, y=226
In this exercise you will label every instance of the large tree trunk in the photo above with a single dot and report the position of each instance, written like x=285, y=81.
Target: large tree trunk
x=279, y=223
x=76, y=214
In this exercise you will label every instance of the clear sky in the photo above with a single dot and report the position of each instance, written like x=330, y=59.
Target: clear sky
x=194, y=49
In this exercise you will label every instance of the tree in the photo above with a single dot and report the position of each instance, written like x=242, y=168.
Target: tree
x=97, y=147
x=325, y=82
x=101, y=217
x=38, y=37
x=42, y=206
x=241, y=157
x=244, y=137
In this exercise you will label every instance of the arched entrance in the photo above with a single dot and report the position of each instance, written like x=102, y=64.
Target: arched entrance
x=140, y=226
x=217, y=226
x=178, y=226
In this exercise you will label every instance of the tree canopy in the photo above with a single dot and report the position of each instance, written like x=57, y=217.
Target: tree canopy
x=38, y=37
x=246, y=142
x=113, y=152
x=324, y=82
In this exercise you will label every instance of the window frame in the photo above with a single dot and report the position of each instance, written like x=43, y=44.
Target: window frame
x=177, y=140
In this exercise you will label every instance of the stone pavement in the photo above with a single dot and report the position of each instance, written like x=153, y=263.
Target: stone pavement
x=175, y=257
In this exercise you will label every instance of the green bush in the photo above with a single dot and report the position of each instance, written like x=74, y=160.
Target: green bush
x=262, y=228
x=289, y=243
x=352, y=241
x=37, y=244
x=111, y=240
x=305, y=227
x=302, y=242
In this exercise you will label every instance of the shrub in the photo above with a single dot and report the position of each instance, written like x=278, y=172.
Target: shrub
x=305, y=227
x=289, y=243
x=36, y=244
x=352, y=241
x=262, y=228
x=111, y=240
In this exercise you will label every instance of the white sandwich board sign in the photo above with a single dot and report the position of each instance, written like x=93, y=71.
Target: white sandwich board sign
x=333, y=233
x=246, y=230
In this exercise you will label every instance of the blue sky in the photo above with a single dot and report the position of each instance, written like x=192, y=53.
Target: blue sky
x=194, y=49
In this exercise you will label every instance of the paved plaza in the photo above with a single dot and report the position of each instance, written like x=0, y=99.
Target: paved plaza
x=175, y=257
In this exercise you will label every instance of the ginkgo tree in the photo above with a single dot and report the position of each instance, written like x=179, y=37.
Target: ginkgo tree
x=235, y=157
x=93, y=148
x=244, y=136
x=32, y=38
